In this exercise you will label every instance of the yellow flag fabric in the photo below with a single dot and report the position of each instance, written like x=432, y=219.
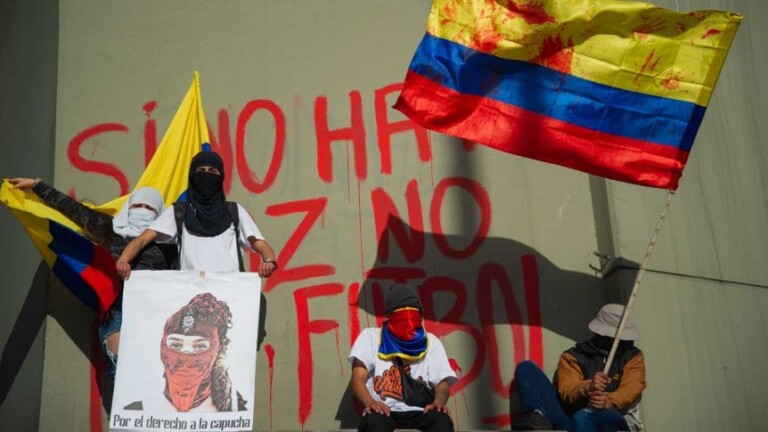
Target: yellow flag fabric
x=613, y=88
x=168, y=169
x=628, y=45
x=87, y=269
x=34, y=217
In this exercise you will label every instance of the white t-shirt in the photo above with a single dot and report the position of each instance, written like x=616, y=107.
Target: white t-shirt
x=217, y=253
x=384, y=377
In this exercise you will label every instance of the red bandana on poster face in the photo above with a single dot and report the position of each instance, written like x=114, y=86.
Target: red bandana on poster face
x=404, y=323
x=188, y=375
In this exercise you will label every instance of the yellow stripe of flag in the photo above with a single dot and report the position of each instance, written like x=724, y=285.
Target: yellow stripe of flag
x=629, y=45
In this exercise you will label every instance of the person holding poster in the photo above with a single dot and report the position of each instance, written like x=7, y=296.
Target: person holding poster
x=193, y=351
x=114, y=234
x=188, y=352
x=208, y=229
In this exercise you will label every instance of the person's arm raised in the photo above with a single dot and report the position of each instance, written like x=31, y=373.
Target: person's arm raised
x=23, y=182
x=132, y=250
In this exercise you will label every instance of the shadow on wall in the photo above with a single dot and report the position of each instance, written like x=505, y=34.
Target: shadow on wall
x=25, y=330
x=478, y=292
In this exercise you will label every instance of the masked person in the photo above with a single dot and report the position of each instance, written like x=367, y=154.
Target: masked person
x=208, y=229
x=583, y=398
x=137, y=213
x=193, y=350
x=378, y=357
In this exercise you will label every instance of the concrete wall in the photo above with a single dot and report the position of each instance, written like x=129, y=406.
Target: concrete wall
x=29, y=36
x=702, y=306
x=507, y=242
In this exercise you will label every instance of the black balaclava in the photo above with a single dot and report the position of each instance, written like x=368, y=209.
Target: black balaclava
x=400, y=296
x=207, y=214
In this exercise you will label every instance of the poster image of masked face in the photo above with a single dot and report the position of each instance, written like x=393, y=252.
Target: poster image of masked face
x=182, y=352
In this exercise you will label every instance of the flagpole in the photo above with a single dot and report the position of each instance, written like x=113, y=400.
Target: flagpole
x=638, y=279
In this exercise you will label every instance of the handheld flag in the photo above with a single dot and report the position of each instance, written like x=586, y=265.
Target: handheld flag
x=85, y=268
x=615, y=89
x=88, y=269
x=168, y=169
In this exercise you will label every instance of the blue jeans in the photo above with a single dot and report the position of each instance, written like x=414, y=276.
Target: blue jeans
x=111, y=325
x=592, y=420
x=537, y=393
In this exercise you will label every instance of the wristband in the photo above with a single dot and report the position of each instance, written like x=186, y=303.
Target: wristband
x=271, y=261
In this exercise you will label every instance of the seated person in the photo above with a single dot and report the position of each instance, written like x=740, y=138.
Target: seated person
x=401, y=344
x=583, y=398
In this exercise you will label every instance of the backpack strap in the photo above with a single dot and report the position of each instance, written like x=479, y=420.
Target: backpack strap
x=234, y=215
x=178, y=214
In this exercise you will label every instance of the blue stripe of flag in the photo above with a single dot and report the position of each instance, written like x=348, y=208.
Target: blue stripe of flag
x=558, y=95
x=73, y=254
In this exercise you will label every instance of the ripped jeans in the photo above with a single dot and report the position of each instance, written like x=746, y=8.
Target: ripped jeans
x=111, y=325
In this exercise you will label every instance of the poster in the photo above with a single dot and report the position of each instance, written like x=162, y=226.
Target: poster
x=187, y=359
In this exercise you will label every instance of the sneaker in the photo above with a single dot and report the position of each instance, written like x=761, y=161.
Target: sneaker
x=532, y=420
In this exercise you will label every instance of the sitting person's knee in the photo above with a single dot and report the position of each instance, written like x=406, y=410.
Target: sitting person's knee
x=375, y=422
x=526, y=367
x=440, y=421
x=581, y=417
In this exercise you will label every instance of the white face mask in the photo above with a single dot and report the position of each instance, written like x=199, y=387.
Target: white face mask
x=139, y=219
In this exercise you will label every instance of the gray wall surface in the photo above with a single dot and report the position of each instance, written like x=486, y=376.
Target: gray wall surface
x=126, y=66
x=29, y=35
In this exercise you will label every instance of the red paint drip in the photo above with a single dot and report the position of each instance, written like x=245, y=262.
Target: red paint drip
x=349, y=189
x=456, y=410
x=150, y=132
x=486, y=40
x=648, y=65
x=338, y=350
x=711, y=32
x=531, y=13
x=353, y=312
x=270, y=352
x=456, y=368
x=648, y=26
x=500, y=421
x=360, y=228
x=449, y=10
x=671, y=83
x=431, y=167
x=555, y=54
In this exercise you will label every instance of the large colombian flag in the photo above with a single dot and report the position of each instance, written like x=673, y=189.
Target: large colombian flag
x=86, y=269
x=612, y=88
